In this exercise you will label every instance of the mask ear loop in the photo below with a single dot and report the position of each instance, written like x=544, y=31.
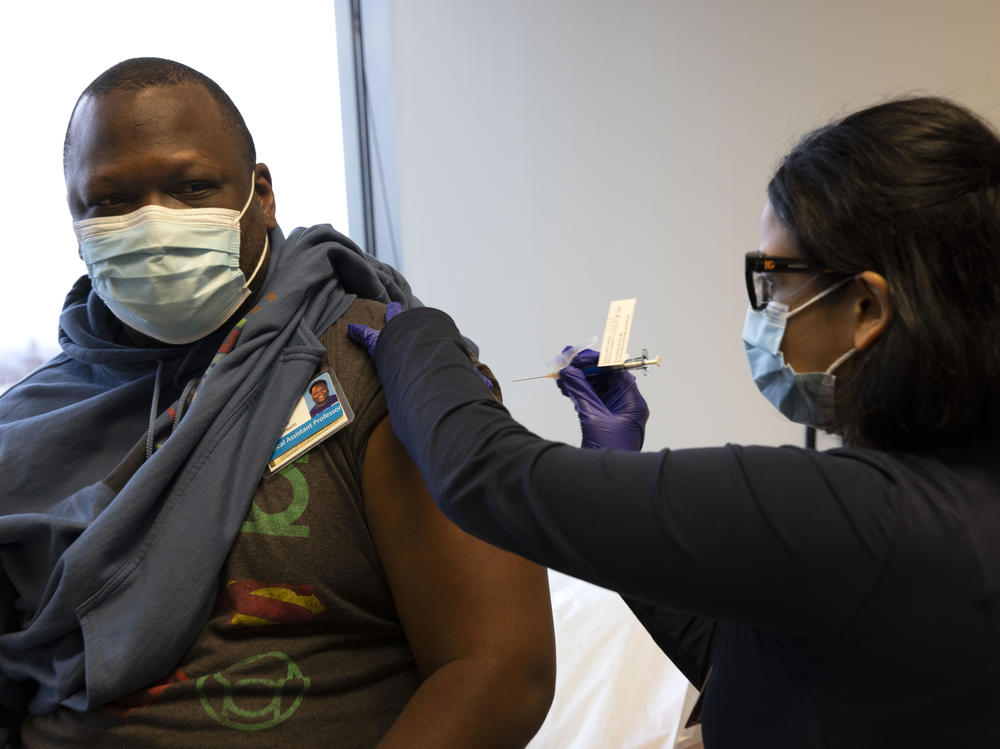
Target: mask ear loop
x=794, y=292
x=260, y=262
x=253, y=183
x=823, y=293
x=263, y=254
x=841, y=359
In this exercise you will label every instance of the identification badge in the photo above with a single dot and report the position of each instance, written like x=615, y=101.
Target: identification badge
x=321, y=412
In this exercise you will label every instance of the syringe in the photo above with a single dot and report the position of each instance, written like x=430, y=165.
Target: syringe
x=636, y=362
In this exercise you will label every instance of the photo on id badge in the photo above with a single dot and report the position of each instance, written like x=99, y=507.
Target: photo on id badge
x=320, y=412
x=322, y=395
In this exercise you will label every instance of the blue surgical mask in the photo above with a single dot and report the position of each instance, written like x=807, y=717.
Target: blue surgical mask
x=173, y=274
x=805, y=398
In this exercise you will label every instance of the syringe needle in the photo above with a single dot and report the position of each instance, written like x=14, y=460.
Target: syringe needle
x=539, y=377
x=639, y=362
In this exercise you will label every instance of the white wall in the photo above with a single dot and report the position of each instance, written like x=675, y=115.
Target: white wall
x=557, y=154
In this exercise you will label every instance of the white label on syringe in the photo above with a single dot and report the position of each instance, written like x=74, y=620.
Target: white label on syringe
x=614, y=346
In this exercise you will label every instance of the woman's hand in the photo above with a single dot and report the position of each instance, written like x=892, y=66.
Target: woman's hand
x=368, y=337
x=612, y=411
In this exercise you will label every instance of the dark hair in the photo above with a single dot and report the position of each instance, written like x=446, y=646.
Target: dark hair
x=145, y=72
x=319, y=382
x=909, y=189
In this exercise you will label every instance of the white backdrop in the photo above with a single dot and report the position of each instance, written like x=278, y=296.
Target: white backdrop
x=557, y=154
x=279, y=68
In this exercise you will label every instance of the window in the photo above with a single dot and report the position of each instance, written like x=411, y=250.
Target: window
x=278, y=63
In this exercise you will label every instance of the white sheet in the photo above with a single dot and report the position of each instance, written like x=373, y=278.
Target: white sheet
x=614, y=687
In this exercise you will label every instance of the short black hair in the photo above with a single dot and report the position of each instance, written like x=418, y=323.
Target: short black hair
x=910, y=189
x=139, y=73
x=319, y=382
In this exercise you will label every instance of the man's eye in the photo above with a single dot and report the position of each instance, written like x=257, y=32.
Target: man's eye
x=109, y=201
x=195, y=188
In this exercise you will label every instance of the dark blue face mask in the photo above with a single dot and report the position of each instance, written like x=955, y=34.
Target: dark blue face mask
x=805, y=398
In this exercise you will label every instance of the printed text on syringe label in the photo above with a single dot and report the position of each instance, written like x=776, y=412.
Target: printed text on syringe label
x=614, y=345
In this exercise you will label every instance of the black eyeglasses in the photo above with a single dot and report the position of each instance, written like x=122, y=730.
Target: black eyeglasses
x=761, y=285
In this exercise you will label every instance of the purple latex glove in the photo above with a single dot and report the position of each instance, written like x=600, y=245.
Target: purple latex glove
x=612, y=411
x=368, y=337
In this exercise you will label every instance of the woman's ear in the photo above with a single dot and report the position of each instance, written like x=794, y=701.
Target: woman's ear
x=872, y=309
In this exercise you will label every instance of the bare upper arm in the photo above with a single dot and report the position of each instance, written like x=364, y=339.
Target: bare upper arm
x=456, y=596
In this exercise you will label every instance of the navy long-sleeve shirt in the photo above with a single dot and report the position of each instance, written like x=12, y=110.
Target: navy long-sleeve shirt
x=857, y=590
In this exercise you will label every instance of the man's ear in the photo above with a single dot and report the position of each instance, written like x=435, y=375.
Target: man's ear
x=265, y=193
x=872, y=309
